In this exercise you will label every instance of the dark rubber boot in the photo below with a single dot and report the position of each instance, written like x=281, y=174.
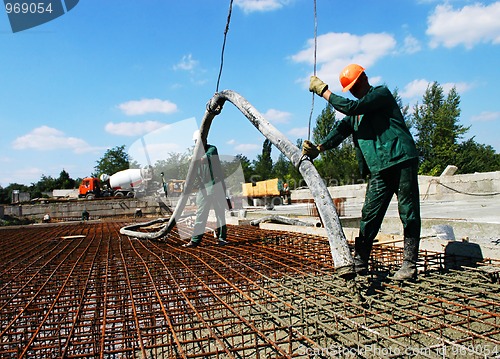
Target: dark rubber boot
x=362, y=249
x=408, y=270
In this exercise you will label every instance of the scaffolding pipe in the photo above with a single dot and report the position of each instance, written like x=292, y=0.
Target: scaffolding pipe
x=339, y=248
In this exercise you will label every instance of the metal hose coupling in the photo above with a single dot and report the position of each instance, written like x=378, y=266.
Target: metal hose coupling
x=215, y=104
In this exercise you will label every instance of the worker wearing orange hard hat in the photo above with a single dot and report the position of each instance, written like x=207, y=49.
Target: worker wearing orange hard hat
x=387, y=156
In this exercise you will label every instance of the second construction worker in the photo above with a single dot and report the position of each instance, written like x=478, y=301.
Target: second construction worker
x=211, y=194
x=386, y=152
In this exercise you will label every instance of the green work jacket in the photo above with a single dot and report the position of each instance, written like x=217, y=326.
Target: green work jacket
x=209, y=172
x=379, y=132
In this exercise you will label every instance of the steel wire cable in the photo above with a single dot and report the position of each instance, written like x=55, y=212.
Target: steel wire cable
x=224, y=44
x=315, y=60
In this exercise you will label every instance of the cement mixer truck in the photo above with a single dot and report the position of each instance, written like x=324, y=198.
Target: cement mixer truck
x=133, y=182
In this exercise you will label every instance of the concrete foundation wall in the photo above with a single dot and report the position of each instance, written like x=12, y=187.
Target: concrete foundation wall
x=457, y=187
x=74, y=209
x=444, y=188
x=468, y=203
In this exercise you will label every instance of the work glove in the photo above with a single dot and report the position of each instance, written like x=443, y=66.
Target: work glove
x=310, y=149
x=317, y=86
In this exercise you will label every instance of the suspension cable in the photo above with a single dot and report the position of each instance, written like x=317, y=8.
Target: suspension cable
x=315, y=50
x=224, y=44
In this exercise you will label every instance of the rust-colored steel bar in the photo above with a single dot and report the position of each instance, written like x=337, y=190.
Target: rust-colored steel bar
x=219, y=299
x=222, y=302
x=39, y=289
x=25, y=272
x=179, y=349
x=79, y=314
x=17, y=259
x=55, y=301
x=105, y=296
x=132, y=301
x=287, y=306
x=85, y=291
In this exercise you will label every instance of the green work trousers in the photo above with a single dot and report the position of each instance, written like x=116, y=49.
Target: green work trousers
x=205, y=200
x=401, y=180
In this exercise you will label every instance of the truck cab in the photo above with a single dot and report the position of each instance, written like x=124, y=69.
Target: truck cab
x=89, y=188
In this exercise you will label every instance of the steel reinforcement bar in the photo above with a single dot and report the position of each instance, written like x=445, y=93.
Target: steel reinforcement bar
x=85, y=291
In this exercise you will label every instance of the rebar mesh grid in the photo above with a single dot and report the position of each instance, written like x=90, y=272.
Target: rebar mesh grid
x=85, y=291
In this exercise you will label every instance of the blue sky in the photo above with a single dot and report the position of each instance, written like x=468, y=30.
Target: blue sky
x=109, y=72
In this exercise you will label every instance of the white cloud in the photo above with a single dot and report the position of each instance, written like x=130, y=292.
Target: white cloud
x=187, y=63
x=375, y=80
x=414, y=89
x=132, y=128
x=417, y=88
x=486, y=116
x=231, y=142
x=468, y=26
x=336, y=50
x=153, y=152
x=247, y=147
x=249, y=6
x=276, y=116
x=157, y=144
x=46, y=138
x=411, y=45
x=193, y=68
x=22, y=175
x=144, y=106
x=461, y=87
x=299, y=132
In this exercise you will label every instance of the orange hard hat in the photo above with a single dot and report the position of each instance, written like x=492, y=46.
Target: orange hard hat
x=349, y=75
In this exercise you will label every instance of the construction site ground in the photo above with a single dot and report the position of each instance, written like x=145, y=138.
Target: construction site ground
x=472, y=220
x=83, y=290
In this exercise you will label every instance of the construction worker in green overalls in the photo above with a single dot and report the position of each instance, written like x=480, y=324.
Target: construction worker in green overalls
x=211, y=194
x=386, y=153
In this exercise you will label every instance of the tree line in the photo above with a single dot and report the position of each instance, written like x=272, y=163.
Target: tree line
x=434, y=122
x=114, y=160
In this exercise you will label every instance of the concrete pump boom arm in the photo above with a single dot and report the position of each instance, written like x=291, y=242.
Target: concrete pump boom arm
x=341, y=254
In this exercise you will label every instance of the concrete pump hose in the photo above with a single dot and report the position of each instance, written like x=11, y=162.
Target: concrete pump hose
x=339, y=248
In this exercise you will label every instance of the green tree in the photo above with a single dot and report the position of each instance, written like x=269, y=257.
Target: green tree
x=64, y=181
x=113, y=160
x=293, y=177
x=45, y=184
x=174, y=167
x=474, y=157
x=263, y=166
x=405, y=109
x=281, y=167
x=438, y=129
x=246, y=166
x=337, y=166
x=6, y=193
